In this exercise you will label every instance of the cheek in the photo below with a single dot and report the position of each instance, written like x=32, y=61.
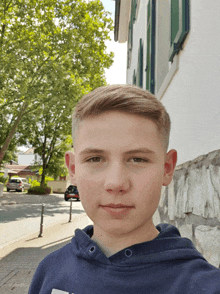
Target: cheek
x=88, y=191
x=150, y=178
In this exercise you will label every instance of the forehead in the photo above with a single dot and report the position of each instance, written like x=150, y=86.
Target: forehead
x=123, y=129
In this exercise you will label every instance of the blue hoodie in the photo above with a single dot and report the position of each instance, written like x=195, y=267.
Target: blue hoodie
x=168, y=264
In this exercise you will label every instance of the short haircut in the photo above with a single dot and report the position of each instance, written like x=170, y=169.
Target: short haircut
x=127, y=99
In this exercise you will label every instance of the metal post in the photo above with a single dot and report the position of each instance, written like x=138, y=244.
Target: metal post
x=41, y=223
x=70, y=219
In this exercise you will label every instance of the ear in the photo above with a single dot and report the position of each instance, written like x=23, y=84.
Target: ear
x=169, y=166
x=70, y=163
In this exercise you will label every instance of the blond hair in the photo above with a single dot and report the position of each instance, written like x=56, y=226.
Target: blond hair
x=127, y=99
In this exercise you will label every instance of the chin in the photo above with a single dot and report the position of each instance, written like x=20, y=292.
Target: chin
x=116, y=228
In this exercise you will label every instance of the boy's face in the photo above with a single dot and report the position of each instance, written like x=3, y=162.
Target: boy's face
x=119, y=168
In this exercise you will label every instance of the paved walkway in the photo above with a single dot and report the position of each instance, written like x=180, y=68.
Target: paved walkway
x=20, y=259
x=21, y=256
x=20, y=214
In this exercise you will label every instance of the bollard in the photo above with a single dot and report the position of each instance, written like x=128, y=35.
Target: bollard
x=41, y=222
x=70, y=219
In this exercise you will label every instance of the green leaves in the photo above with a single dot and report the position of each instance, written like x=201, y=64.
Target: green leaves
x=52, y=52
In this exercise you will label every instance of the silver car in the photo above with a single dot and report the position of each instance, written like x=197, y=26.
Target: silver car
x=18, y=184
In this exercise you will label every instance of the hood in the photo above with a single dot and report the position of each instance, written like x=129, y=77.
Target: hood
x=168, y=245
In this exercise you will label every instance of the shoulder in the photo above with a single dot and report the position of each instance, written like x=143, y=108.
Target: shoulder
x=206, y=277
x=58, y=257
x=47, y=269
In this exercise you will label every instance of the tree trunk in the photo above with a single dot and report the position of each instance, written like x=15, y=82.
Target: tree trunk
x=12, y=132
x=44, y=159
x=42, y=182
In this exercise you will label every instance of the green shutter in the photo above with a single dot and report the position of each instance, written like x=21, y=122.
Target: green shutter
x=174, y=19
x=134, y=78
x=134, y=4
x=140, y=64
x=150, y=62
x=130, y=35
x=132, y=20
x=179, y=25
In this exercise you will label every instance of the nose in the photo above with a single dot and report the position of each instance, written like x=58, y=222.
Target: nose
x=117, y=179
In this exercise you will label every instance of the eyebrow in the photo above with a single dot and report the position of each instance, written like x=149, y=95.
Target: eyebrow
x=100, y=151
x=139, y=150
x=91, y=150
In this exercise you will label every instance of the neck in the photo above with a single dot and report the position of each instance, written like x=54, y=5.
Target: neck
x=113, y=243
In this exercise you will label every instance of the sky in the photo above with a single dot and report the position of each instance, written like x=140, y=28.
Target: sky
x=116, y=74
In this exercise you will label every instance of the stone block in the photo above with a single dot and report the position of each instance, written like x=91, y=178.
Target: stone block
x=208, y=243
x=171, y=201
x=182, y=197
x=201, y=193
x=186, y=231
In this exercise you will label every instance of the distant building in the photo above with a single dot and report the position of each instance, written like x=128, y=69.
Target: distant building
x=23, y=171
x=28, y=157
x=24, y=166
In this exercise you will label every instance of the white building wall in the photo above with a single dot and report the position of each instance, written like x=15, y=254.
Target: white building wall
x=28, y=159
x=193, y=96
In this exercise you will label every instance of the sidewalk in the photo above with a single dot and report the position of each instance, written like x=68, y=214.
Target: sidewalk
x=20, y=214
x=20, y=259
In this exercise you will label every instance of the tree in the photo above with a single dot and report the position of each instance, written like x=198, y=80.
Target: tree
x=49, y=49
x=53, y=164
x=10, y=154
x=50, y=135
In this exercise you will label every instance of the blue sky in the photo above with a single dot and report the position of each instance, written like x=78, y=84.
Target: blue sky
x=109, y=6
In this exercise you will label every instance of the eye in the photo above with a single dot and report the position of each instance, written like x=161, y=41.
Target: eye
x=139, y=160
x=94, y=159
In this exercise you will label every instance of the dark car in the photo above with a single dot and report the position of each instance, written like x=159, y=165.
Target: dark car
x=71, y=192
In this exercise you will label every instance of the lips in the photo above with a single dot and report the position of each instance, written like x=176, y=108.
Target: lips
x=117, y=210
x=111, y=205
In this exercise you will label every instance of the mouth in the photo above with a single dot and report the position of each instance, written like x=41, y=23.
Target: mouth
x=111, y=205
x=117, y=210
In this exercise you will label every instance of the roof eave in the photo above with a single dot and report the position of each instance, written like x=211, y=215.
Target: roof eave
x=122, y=16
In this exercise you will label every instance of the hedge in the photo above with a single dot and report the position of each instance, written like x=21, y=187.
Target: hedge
x=39, y=190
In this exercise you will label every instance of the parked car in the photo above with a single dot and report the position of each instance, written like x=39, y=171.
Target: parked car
x=18, y=184
x=71, y=192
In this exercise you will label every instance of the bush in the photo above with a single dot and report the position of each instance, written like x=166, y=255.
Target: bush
x=34, y=183
x=3, y=180
x=48, y=190
x=39, y=190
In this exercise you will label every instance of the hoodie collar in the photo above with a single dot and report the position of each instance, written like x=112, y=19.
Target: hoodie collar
x=168, y=245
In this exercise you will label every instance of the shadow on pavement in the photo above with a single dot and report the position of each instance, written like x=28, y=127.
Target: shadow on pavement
x=19, y=266
x=25, y=207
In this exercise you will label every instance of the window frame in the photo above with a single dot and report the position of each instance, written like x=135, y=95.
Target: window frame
x=151, y=46
x=184, y=27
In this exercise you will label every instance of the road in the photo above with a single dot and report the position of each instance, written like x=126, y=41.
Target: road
x=20, y=214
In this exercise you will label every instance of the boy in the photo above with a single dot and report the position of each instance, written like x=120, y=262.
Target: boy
x=119, y=165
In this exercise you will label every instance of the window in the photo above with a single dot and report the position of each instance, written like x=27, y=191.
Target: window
x=179, y=25
x=130, y=30
x=175, y=15
x=150, y=62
